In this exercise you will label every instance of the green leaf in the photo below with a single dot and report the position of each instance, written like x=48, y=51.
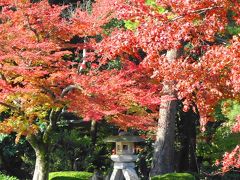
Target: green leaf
x=2, y=136
x=233, y=30
x=230, y=109
x=153, y=4
x=161, y=10
x=131, y=25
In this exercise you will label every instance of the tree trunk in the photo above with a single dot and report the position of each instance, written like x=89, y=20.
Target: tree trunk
x=188, y=160
x=163, y=157
x=41, y=166
x=93, y=132
x=42, y=158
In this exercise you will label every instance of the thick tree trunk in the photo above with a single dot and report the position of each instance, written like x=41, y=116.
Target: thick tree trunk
x=41, y=166
x=42, y=158
x=164, y=145
x=163, y=158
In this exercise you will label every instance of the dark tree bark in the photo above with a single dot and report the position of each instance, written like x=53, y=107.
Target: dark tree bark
x=163, y=157
x=93, y=132
x=187, y=133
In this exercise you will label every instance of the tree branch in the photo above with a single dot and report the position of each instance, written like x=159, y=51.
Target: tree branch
x=70, y=88
x=199, y=11
x=31, y=28
x=80, y=65
x=47, y=90
x=34, y=141
x=48, y=132
x=9, y=106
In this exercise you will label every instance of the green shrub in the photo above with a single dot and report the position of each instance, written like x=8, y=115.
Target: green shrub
x=174, y=176
x=5, y=177
x=70, y=175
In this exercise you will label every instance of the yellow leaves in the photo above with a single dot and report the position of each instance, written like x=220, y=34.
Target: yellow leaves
x=38, y=106
x=137, y=110
x=14, y=124
x=131, y=25
x=18, y=124
x=18, y=136
x=197, y=22
x=34, y=101
x=29, y=108
x=18, y=79
x=24, y=1
x=172, y=16
x=2, y=108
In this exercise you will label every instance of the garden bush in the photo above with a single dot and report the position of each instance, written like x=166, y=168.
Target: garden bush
x=5, y=177
x=69, y=175
x=174, y=176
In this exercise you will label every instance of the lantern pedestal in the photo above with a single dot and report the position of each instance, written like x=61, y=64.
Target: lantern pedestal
x=124, y=167
x=124, y=159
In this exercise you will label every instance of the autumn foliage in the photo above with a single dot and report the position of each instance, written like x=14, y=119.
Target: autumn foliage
x=30, y=63
x=207, y=69
x=37, y=73
x=35, y=68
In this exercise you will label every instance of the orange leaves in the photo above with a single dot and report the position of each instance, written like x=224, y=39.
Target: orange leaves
x=33, y=36
x=84, y=23
x=31, y=39
x=19, y=125
x=127, y=121
x=108, y=93
x=158, y=32
x=34, y=73
x=207, y=71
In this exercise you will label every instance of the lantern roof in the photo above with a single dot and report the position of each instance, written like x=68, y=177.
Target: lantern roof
x=124, y=137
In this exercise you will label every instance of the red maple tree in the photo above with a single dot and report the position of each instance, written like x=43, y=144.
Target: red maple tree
x=205, y=69
x=38, y=79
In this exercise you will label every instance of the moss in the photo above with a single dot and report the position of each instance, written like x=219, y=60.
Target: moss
x=5, y=177
x=69, y=175
x=174, y=176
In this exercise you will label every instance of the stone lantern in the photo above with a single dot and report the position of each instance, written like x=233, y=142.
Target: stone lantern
x=124, y=159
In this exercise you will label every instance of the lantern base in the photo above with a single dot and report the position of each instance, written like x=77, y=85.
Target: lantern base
x=124, y=167
x=123, y=158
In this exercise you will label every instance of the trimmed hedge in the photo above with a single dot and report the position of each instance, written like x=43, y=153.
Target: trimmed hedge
x=6, y=177
x=70, y=175
x=174, y=176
